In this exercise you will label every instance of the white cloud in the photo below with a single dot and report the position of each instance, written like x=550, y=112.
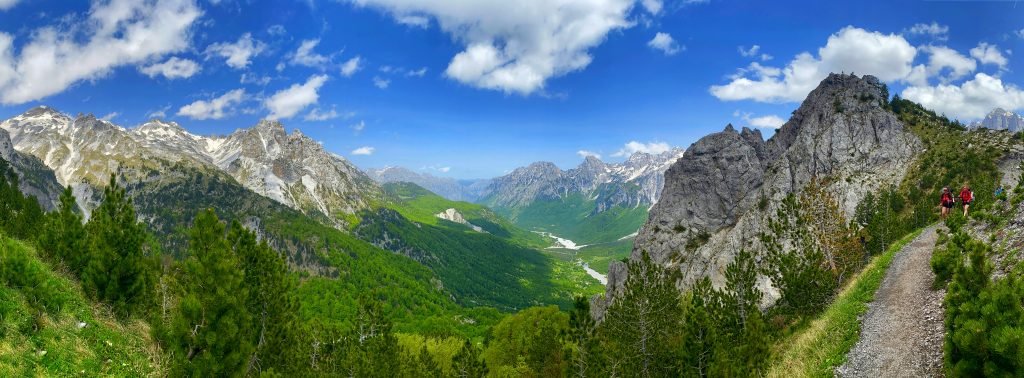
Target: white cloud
x=1019, y=33
x=444, y=169
x=365, y=150
x=305, y=56
x=251, y=78
x=239, y=54
x=665, y=43
x=289, y=102
x=113, y=34
x=413, y=20
x=217, y=108
x=652, y=6
x=8, y=4
x=351, y=66
x=417, y=73
x=943, y=58
x=381, y=83
x=276, y=30
x=159, y=113
x=359, y=127
x=989, y=54
x=173, y=68
x=887, y=56
x=972, y=99
x=650, y=148
x=752, y=51
x=317, y=115
x=110, y=117
x=934, y=30
x=516, y=46
x=764, y=122
x=584, y=154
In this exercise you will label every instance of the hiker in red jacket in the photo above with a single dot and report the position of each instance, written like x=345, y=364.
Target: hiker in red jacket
x=946, y=202
x=966, y=196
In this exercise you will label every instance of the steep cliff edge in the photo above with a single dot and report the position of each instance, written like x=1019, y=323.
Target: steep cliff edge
x=718, y=195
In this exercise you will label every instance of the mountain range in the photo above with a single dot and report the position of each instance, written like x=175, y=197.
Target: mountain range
x=1000, y=119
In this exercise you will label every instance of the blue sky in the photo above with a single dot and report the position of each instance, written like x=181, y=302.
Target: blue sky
x=474, y=88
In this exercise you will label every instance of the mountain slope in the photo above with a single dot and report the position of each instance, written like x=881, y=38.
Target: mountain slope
x=452, y=189
x=719, y=194
x=289, y=168
x=593, y=203
x=34, y=178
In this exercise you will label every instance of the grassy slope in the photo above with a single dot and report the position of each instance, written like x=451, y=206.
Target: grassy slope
x=570, y=217
x=817, y=347
x=420, y=205
x=40, y=311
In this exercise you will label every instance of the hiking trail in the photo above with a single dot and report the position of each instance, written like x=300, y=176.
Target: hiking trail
x=902, y=331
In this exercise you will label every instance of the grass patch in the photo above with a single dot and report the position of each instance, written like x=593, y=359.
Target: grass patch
x=815, y=349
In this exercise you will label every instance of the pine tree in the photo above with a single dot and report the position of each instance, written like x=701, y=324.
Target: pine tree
x=428, y=366
x=210, y=329
x=63, y=236
x=584, y=358
x=121, y=270
x=643, y=324
x=467, y=363
x=271, y=302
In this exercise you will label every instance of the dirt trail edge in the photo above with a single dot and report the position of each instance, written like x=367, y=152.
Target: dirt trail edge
x=902, y=333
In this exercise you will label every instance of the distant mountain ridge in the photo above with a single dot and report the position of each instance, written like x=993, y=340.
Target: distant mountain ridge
x=455, y=190
x=1000, y=119
x=289, y=168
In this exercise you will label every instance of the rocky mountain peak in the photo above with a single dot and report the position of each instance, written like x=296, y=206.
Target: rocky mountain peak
x=1001, y=119
x=270, y=128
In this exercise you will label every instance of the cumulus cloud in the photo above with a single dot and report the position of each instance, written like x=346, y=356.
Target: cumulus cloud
x=110, y=116
x=944, y=59
x=652, y=6
x=277, y=30
x=764, y=122
x=238, y=54
x=753, y=52
x=8, y=4
x=584, y=154
x=173, y=68
x=351, y=66
x=113, y=34
x=318, y=115
x=305, y=56
x=649, y=148
x=159, y=113
x=251, y=78
x=381, y=83
x=413, y=20
x=216, y=108
x=292, y=100
x=934, y=30
x=516, y=46
x=365, y=150
x=989, y=54
x=970, y=100
x=887, y=56
x=665, y=43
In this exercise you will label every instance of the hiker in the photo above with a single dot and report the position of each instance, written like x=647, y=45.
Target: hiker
x=946, y=202
x=966, y=196
x=999, y=193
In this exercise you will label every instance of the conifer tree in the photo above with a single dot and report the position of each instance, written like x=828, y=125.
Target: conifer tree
x=63, y=236
x=644, y=322
x=210, y=329
x=271, y=302
x=467, y=362
x=584, y=358
x=121, y=270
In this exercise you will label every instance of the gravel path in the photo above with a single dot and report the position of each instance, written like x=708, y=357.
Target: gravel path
x=902, y=332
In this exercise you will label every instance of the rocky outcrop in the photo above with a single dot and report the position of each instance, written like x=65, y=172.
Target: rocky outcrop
x=34, y=178
x=718, y=195
x=453, y=215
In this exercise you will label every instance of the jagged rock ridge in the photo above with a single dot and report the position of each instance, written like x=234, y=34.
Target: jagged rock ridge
x=289, y=168
x=720, y=192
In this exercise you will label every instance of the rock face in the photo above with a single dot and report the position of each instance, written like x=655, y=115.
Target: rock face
x=1000, y=119
x=34, y=178
x=721, y=191
x=453, y=215
x=289, y=168
x=636, y=182
x=455, y=190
